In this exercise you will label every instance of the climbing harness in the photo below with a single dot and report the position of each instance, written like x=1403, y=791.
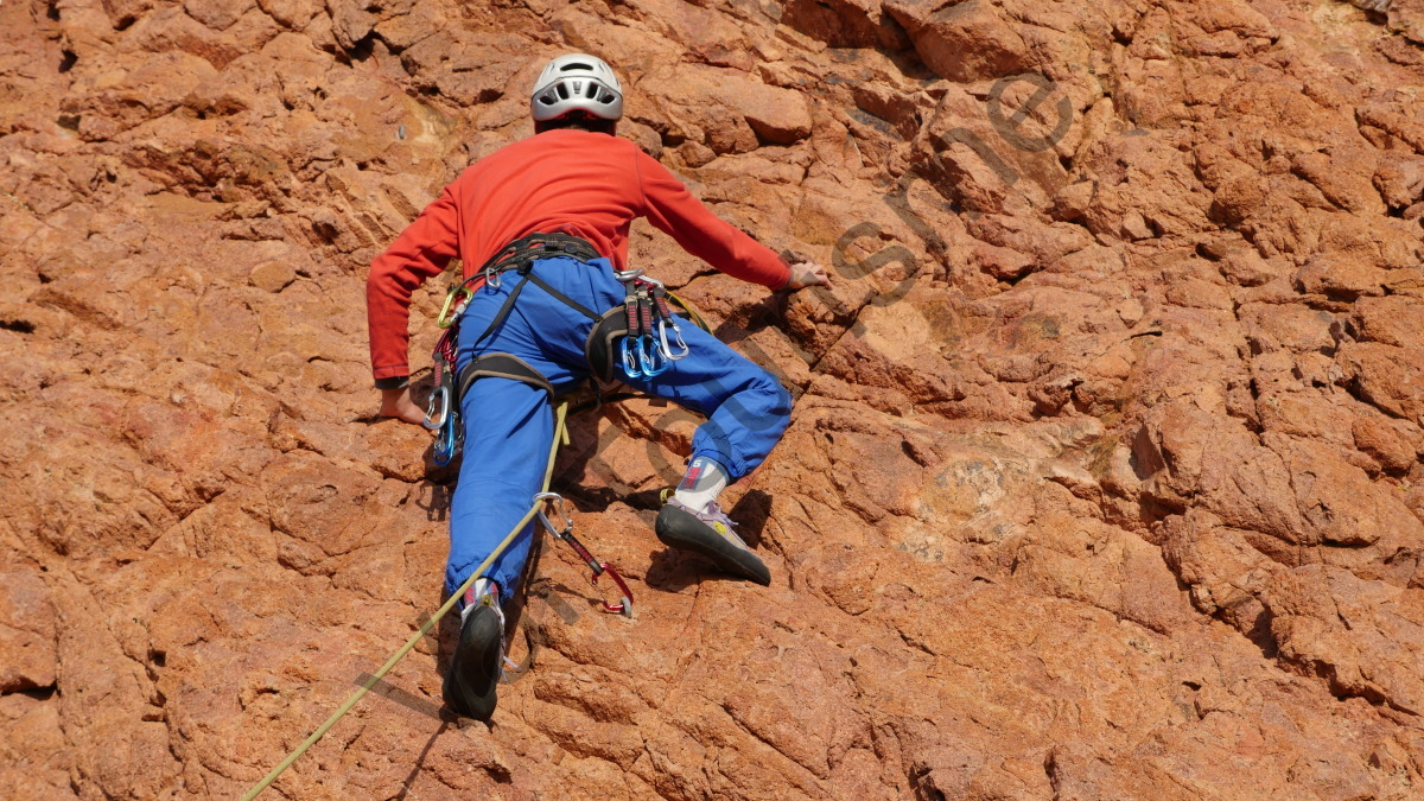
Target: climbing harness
x=646, y=349
x=625, y=606
x=443, y=411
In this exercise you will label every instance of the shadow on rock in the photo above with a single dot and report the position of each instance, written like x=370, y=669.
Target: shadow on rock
x=750, y=514
x=673, y=571
x=446, y=718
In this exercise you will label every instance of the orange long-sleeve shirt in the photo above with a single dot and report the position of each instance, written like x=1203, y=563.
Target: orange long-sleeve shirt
x=587, y=184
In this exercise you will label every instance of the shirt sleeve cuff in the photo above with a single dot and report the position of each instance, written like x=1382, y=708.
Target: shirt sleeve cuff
x=393, y=382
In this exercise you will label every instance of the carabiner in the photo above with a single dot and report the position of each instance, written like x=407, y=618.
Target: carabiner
x=663, y=340
x=543, y=518
x=625, y=606
x=455, y=301
x=630, y=359
x=447, y=444
x=439, y=400
x=647, y=349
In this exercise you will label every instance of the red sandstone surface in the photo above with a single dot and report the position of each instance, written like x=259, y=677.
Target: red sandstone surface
x=1104, y=478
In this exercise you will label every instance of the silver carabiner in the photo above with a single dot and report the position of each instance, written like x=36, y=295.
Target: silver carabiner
x=544, y=519
x=439, y=400
x=663, y=340
x=624, y=276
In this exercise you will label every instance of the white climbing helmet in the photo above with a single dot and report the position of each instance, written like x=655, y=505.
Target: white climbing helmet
x=576, y=82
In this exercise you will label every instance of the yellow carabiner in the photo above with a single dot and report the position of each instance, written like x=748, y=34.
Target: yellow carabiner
x=446, y=318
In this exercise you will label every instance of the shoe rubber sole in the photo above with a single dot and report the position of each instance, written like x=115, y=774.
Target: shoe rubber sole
x=470, y=685
x=680, y=529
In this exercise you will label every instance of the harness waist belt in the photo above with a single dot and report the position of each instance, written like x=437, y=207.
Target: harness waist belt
x=521, y=252
x=520, y=255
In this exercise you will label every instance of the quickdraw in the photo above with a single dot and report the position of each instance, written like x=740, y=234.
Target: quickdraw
x=666, y=320
x=625, y=605
x=646, y=351
x=441, y=416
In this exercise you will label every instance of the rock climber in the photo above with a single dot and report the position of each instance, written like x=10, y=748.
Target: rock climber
x=544, y=222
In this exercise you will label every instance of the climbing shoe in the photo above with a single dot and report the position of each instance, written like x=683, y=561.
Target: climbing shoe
x=711, y=534
x=475, y=668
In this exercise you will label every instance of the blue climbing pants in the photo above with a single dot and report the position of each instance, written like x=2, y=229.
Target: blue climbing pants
x=509, y=425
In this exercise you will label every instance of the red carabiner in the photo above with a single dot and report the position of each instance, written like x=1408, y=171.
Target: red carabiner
x=625, y=606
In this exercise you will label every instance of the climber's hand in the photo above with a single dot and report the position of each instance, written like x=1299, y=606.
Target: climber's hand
x=397, y=403
x=807, y=273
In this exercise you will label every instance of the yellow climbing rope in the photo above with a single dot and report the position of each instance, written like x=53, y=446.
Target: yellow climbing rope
x=561, y=436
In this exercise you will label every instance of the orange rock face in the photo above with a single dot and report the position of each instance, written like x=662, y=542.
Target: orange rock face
x=1104, y=478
